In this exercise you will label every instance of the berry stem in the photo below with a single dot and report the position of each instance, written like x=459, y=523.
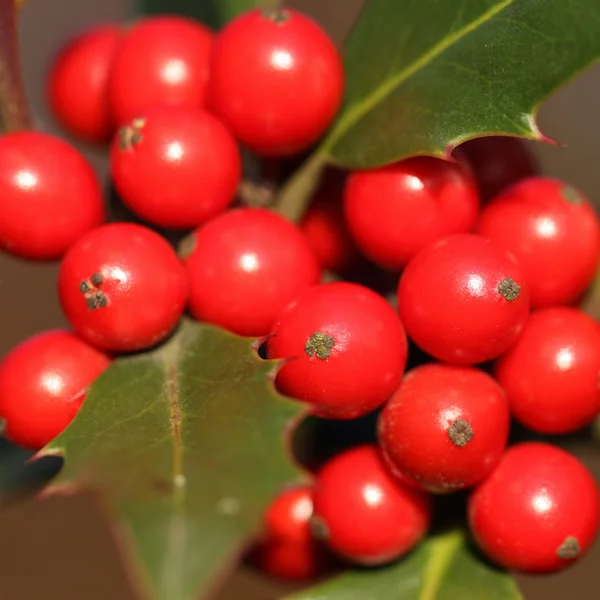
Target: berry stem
x=14, y=110
x=295, y=195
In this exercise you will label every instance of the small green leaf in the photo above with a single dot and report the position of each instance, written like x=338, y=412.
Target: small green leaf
x=186, y=445
x=442, y=568
x=425, y=75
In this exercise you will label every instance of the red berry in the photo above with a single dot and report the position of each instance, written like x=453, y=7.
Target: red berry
x=363, y=512
x=77, y=84
x=175, y=167
x=49, y=195
x=446, y=427
x=538, y=512
x=497, y=162
x=291, y=560
x=554, y=233
x=276, y=80
x=245, y=267
x=43, y=383
x=463, y=300
x=551, y=373
x=395, y=211
x=122, y=287
x=162, y=60
x=348, y=349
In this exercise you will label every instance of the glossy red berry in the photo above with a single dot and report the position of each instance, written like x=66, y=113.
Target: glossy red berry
x=175, y=167
x=244, y=267
x=363, y=512
x=162, y=60
x=554, y=233
x=291, y=560
x=49, y=195
x=122, y=287
x=347, y=348
x=446, y=426
x=551, y=374
x=276, y=80
x=497, y=162
x=463, y=300
x=538, y=512
x=77, y=85
x=43, y=383
x=395, y=211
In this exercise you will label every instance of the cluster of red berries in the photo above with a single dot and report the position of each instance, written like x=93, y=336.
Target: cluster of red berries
x=176, y=100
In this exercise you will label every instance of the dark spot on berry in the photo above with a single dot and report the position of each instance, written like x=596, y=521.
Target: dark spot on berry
x=460, y=432
x=84, y=287
x=509, y=289
x=102, y=300
x=319, y=344
x=96, y=279
x=276, y=15
x=571, y=195
x=131, y=134
x=92, y=302
x=97, y=300
x=186, y=246
x=319, y=528
x=569, y=549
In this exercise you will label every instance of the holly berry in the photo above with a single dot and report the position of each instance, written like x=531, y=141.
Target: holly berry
x=162, y=60
x=276, y=80
x=497, y=162
x=175, y=167
x=290, y=560
x=43, y=383
x=363, y=512
x=395, y=211
x=551, y=373
x=122, y=287
x=538, y=512
x=463, y=300
x=49, y=195
x=77, y=86
x=347, y=348
x=446, y=426
x=554, y=233
x=244, y=267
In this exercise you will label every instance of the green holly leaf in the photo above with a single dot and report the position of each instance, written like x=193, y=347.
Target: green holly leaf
x=185, y=445
x=425, y=75
x=442, y=568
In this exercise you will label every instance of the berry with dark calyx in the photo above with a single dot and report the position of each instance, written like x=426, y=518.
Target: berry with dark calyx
x=244, y=267
x=551, y=228
x=347, y=349
x=551, y=374
x=49, y=195
x=276, y=80
x=395, y=211
x=77, y=86
x=122, y=287
x=163, y=59
x=445, y=428
x=538, y=511
x=175, y=167
x=463, y=300
x=363, y=512
x=43, y=383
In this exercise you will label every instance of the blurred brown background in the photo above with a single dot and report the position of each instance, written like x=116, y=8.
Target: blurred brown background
x=61, y=549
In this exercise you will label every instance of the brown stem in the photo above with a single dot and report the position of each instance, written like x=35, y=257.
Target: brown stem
x=14, y=111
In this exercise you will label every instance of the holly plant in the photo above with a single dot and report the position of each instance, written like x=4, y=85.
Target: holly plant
x=327, y=315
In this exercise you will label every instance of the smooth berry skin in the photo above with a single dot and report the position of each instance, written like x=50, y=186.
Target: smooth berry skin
x=77, y=86
x=497, y=162
x=291, y=561
x=551, y=374
x=554, y=233
x=141, y=293
x=395, y=211
x=49, y=196
x=288, y=516
x=245, y=267
x=363, y=362
x=43, y=383
x=276, y=80
x=457, y=300
x=363, y=512
x=162, y=60
x=446, y=427
x=175, y=167
x=539, y=506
